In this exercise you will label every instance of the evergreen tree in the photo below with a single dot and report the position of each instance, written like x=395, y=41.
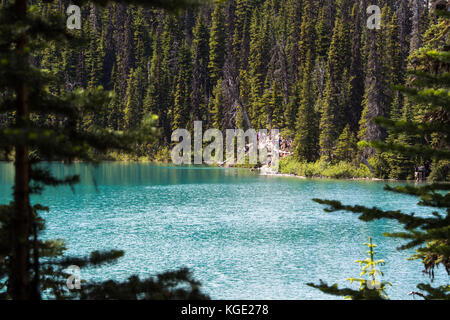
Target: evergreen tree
x=157, y=98
x=304, y=46
x=307, y=35
x=217, y=44
x=337, y=88
x=400, y=166
x=275, y=107
x=182, y=104
x=108, y=49
x=115, y=112
x=218, y=106
x=200, y=76
x=346, y=147
x=257, y=69
x=94, y=53
x=293, y=21
x=24, y=276
x=353, y=112
x=306, y=136
x=375, y=102
x=430, y=89
x=133, y=111
x=369, y=287
x=241, y=36
x=323, y=32
x=141, y=39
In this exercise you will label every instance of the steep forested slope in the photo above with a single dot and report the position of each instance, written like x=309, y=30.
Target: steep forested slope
x=313, y=69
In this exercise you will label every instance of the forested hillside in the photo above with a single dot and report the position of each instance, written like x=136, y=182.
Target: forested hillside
x=310, y=68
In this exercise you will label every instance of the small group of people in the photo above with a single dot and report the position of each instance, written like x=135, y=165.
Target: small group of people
x=285, y=147
x=421, y=172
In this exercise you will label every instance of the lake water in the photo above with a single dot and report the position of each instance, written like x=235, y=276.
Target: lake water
x=244, y=236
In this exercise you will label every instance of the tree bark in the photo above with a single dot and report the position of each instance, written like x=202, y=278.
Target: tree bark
x=20, y=278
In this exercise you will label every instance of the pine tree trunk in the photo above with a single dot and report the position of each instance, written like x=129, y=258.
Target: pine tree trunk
x=20, y=284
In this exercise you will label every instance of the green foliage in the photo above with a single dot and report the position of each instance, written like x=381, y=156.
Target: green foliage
x=288, y=165
x=337, y=87
x=307, y=127
x=309, y=67
x=53, y=276
x=429, y=234
x=440, y=171
x=182, y=102
x=346, y=148
x=380, y=166
x=162, y=155
x=218, y=106
x=170, y=285
x=369, y=287
x=53, y=123
x=217, y=44
x=324, y=169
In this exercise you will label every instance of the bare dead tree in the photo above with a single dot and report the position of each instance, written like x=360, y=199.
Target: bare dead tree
x=232, y=91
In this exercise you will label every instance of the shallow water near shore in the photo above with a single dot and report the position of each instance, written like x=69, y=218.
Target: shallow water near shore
x=243, y=235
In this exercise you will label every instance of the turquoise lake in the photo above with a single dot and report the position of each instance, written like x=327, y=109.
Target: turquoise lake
x=244, y=236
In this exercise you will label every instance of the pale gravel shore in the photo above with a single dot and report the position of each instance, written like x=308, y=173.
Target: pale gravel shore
x=303, y=177
x=283, y=175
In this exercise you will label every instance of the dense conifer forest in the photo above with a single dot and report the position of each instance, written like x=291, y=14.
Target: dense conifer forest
x=312, y=69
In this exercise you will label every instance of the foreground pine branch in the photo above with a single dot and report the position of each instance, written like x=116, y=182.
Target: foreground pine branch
x=49, y=125
x=429, y=234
